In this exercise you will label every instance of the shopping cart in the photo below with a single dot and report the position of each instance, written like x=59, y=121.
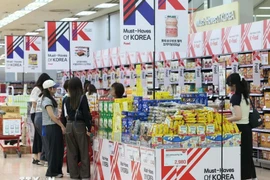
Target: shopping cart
x=10, y=129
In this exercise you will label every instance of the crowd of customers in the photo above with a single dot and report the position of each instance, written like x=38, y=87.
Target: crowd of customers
x=71, y=127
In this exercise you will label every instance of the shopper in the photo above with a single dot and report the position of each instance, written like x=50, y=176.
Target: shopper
x=240, y=106
x=117, y=90
x=85, y=86
x=38, y=154
x=78, y=127
x=54, y=129
x=92, y=90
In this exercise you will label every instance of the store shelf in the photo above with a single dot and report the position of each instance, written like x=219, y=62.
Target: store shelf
x=188, y=70
x=190, y=82
x=251, y=80
x=262, y=148
x=174, y=70
x=255, y=95
x=206, y=69
x=212, y=95
x=261, y=130
x=208, y=82
x=246, y=65
x=260, y=112
x=266, y=67
x=225, y=111
x=262, y=161
x=266, y=109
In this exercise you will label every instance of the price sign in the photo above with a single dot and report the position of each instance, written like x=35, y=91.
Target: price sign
x=136, y=154
x=167, y=72
x=121, y=150
x=132, y=78
x=175, y=157
x=111, y=148
x=215, y=70
x=89, y=78
x=129, y=153
x=147, y=156
x=198, y=73
x=112, y=77
x=143, y=76
x=105, y=80
x=256, y=68
x=181, y=80
x=222, y=79
x=235, y=63
x=97, y=84
x=122, y=77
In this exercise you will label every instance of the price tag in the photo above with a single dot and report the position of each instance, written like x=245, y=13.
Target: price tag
x=222, y=79
x=143, y=77
x=112, y=77
x=122, y=77
x=132, y=78
x=121, y=150
x=147, y=156
x=181, y=80
x=256, y=68
x=111, y=148
x=175, y=157
x=89, y=78
x=167, y=72
x=97, y=84
x=105, y=80
x=129, y=153
x=215, y=74
x=156, y=78
x=136, y=154
x=198, y=74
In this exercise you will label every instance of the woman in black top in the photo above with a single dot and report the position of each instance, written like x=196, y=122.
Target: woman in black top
x=78, y=126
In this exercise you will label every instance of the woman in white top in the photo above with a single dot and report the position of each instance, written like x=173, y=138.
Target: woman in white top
x=37, y=144
x=240, y=106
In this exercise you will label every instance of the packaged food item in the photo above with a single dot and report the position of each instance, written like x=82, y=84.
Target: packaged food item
x=201, y=130
x=210, y=129
x=192, y=129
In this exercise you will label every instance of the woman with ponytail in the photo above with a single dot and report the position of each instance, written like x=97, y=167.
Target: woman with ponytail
x=240, y=107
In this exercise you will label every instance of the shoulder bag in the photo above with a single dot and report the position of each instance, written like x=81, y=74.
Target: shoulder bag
x=254, y=117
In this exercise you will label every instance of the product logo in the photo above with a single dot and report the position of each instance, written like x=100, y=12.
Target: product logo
x=174, y=3
x=30, y=42
x=131, y=6
x=57, y=34
x=14, y=46
x=77, y=30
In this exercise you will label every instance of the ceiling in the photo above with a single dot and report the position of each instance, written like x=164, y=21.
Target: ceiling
x=53, y=11
x=260, y=12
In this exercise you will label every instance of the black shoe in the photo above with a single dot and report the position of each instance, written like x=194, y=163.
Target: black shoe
x=34, y=161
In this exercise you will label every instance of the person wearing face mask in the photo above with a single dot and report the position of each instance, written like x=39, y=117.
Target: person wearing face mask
x=54, y=129
x=240, y=106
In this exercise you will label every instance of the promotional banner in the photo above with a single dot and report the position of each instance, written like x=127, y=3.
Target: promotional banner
x=266, y=34
x=171, y=25
x=57, y=45
x=252, y=36
x=137, y=20
x=215, y=65
x=141, y=57
x=105, y=57
x=198, y=73
x=32, y=54
x=256, y=68
x=14, y=50
x=81, y=45
x=195, y=44
x=212, y=42
x=231, y=39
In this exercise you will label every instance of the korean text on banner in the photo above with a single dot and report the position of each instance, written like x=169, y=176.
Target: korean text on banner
x=81, y=45
x=171, y=25
x=57, y=45
x=14, y=51
x=137, y=20
x=33, y=54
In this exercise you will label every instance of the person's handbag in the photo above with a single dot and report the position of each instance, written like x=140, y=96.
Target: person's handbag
x=254, y=117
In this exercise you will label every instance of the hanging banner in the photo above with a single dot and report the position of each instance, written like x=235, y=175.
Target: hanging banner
x=266, y=34
x=215, y=65
x=235, y=63
x=105, y=57
x=195, y=44
x=143, y=75
x=252, y=36
x=57, y=45
x=14, y=50
x=132, y=76
x=122, y=75
x=105, y=83
x=198, y=72
x=256, y=68
x=33, y=54
x=81, y=45
x=171, y=25
x=141, y=57
x=89, y=76
x=231, y=39
x=181, y=72
x=212, y=42
x=137, y=20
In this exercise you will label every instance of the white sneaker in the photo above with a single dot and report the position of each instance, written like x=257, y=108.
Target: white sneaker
x=59, y=176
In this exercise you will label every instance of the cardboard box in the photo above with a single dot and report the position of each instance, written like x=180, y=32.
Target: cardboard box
x=10, y=109
x=256, y=139
x=23, y=149
x=266, y=121
x=265, y=140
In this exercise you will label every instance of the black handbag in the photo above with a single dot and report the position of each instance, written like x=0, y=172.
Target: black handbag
x=254, y=117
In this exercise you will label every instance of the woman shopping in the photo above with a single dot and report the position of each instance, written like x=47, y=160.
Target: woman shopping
x=54, y=130
x=240, y=106
x=78, y=127
x=36, y=117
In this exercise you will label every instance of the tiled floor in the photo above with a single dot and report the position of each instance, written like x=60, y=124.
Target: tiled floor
x=12, y=168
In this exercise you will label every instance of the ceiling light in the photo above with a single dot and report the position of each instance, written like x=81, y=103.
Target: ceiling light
x=263, y=15
x=69, y=19
x=86, y=13
x=31, y=33
x=264, y=7
x=106, y=5
x=39, y=30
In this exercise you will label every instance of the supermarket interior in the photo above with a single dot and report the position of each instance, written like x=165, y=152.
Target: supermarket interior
x=135, y=89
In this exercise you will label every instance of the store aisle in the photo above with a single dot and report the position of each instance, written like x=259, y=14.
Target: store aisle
x=12, y=168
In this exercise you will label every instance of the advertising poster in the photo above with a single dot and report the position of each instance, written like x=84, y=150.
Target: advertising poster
x=231, y=39
x=137, y=20
x=57, y=45
x=212, y=42
x=11, y=127
x=171, y=25
x=14, y=51
x=195, y=44
x=33, y=54
x=81, y=45
x=252, y=36
x=266, y=34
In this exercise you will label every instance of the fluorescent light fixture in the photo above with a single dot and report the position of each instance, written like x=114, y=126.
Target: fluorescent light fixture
x=264, y=7
x=86, y=13
x=26, y=10
x=69, y=19
x=106, y=5
x=39, y=30
x=263, y=15
x=31, y=33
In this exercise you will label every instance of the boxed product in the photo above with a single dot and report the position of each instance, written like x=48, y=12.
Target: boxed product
x=249, y=58
x=266, y=121
x=265, y=140
x=267, y=99
x=256, y=139
x=266, y=155
x=242, y=59
x=265, y=58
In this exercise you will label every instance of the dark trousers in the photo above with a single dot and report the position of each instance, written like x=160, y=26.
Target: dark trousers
x=38, y=125
x=247, y=165
x=37, y=143
x=77, y=147
x=55, y=151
